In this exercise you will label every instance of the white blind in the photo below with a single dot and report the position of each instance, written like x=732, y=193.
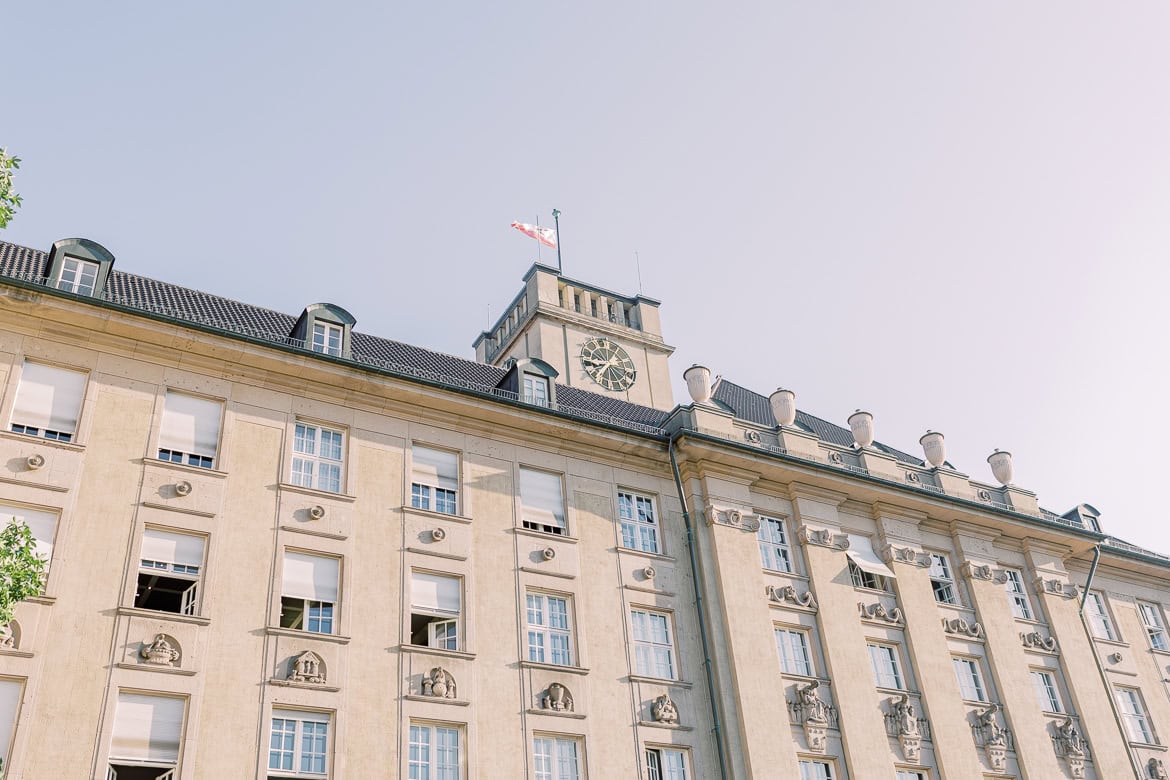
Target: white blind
x=435, y=592
x=190, y=425
x=861, y=553
x=435, y=467
x=9, y=706
x=183, y=549
x=312, y=577
x=312, y=717
x=147, y=728
x=49, y=398
x=42, y=524
x=541, y=498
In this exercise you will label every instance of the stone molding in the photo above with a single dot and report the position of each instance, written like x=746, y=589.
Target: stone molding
x=878, y=613
x=1057, y=587
x=822, y=537
x=908, y=555
x=786, y=594
x=961, y=626
x=745, y=521
x=1036, y=641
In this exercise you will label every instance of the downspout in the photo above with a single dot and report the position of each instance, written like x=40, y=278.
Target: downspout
x=682, y=498
x=1134, y=761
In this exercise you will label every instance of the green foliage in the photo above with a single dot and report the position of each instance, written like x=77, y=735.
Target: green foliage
x=9, y=200
x=22, y=571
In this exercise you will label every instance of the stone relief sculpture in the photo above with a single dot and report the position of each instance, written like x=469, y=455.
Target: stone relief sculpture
x=1039, y=641
x=994, y=738
x=733, y=518
x=816, y=717
x=822, y=537
x=10, y=636
x=163, y=651
x=909, y=734
x=664, y=711
x=557, y=698
x=878, y=611
x=439, y=683
x=787, y=593
x=1057, y=587
x=1156, y=769
x=1072, y=745
x=908, y=555
x=961, y=626
x=307, y=668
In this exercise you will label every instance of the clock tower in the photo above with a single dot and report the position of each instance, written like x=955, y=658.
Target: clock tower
x=595, y=340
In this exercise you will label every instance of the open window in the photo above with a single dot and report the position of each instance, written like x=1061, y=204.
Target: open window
x=148, y=730
x=309, y=592
x=48, y=402
x=190, y=430
x=169, y=570
x=435, y=607
x=866, y=570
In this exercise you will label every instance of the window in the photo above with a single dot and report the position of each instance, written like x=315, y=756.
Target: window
x=43, y=526
x=666, y=764
x=886, y=671
x=1046, y=693
x=775, y=554
x=1155, y=627
x=434, y=752
x=434, y=480
x=1099, y=622
x=549, y=632
x=299, y=744
x=866, y=570
x=11, y=692
x=148, y=730
x=535, y=390
x=941, y=580
x=435, y=606
x=309, y=592
x=639, y=526
x=816, y=770
x=168, y=571
x=77, y=276
x=317, y=457
x=1133, y=712
x=793, y=647
x=912, y=774
x=556, y=758
x=970, y=679
x=190, y=430
x=327, y=338
x=653, y=646
x=48, y=402
x=542, y=506
x=1014, y=585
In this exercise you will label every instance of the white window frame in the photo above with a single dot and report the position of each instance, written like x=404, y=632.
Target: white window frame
x=537, y=518
x=1047, y=692
x=11, y=698
x=1135, y=715
x=186, y=429
x=146, y=755
x=327, y=338
x=867, y=580
x=912, y=774
x=430, y=489
x=556, y=757
x=1100, y=622
x=547, y=642
x=310, y=464
x=1155, y=625
x=1018, y=594
x=638, y=518
x=328, y=613
x=302, y=739
x=817, y=769
x=535, y=390
x=44, y=525
x=187, y=572
x=942, y=581
x=61, y=419
x=969, y=676
x=652, y=655
x=795, y=655
x=430, y=758
x=84, y=275
x=775, y=552
x=886, y=663
x=439, y=634
x=667, y=762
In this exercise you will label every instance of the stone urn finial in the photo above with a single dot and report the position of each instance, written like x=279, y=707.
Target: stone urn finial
x=934, y=446
x=783, y=406
x=1001, y=466
x=698, y=380
x=861, y=423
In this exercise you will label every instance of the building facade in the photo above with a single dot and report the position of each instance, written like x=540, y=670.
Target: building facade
x=283, y=548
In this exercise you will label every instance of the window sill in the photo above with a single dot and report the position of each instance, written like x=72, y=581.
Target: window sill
x=641, y=678
x=544, y=535
x=299, y=634
x=1113, y=642
x=156, y=614
x=1156, y=651
x=791, y=575
x=67, y=446
x=525, y=664
x=437, y=651
x=305, y=686
x=958, y=608
x=317, y=493
x=658, y=725
x=145, y=667
x=431, y=514
x=1030, y=622
x=183, y=467
x=46, y=601
x=896, y=691
x=556, y=713
x=651, y=555
x=875, y=591
x=436, y=699
x=1149, y=746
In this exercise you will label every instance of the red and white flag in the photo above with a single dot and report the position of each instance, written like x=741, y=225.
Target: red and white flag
x=546, y=236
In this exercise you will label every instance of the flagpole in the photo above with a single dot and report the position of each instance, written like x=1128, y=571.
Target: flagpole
x=557, y=220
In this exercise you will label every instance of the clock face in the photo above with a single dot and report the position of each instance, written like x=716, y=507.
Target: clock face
x=607, y=364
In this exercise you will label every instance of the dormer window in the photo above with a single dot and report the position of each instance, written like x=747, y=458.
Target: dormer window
x=327, y=338
x=77, y=276
x=325, y=329
x=532, y=381
x=535, y=390
x=78, y=266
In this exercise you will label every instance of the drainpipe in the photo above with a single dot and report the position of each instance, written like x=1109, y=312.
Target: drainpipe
x=699, y=608
x=1133, y=758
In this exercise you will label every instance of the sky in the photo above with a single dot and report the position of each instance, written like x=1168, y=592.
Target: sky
x=953, y=215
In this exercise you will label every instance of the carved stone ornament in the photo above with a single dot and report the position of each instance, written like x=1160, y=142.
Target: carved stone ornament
x=974, y=571
x=1156, y=769
x=878, y=611
x=994, y=738
x=183, y=488
x=913, y=478
x=907, y=555
x=961, y=626
x=664, y=711
x=984, y=495
x=752, y=436
x=909, y=734
x=1035, y=639
x=649, y=572
x=316, y=512
x=733, y=518
x=163, y=651
x=307, y=668
x=35, y=462
x=548, y=553
x=10, y=636
x=438, y=534
x=816, y=717
x=557, y=698
x=1071, y=745
x=822, y=537
x=787, y=594
x=1057, y=587
x=1116, y=658
x=836, y=458
x=439, y=683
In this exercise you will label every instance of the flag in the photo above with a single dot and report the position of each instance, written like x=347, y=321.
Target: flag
x=546, y=236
